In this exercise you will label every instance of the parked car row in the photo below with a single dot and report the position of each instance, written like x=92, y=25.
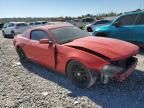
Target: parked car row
x=13, y=28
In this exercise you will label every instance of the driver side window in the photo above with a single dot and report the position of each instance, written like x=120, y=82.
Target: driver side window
x=128, y=20
x=39, y=34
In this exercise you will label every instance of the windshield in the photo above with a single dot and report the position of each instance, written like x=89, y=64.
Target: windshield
x=68, y=34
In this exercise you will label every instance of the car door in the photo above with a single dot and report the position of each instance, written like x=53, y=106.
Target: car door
x=42, y=53
x=138, y=35
x=4, y=28
x=125, y=29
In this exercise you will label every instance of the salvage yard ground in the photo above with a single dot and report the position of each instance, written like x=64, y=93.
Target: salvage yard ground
x=33, y=86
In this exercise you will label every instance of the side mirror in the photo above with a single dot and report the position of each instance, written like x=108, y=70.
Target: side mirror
x=117, y=24
x=45, y=41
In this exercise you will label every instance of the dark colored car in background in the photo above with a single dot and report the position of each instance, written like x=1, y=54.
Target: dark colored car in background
x=91, y=27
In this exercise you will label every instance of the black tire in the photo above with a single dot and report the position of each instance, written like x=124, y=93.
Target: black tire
x=4, y=35
x=101, y=35
x=80, y=75
x=12, y=33
x=22, y=55
x=89, y=29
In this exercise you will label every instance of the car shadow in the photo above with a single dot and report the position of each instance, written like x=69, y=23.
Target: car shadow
x=127, y=94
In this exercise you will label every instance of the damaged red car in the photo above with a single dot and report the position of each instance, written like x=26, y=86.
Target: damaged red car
x=72, y=51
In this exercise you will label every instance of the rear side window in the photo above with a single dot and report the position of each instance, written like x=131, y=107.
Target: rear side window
x=11, y=24
x=142, y=20
x=102, y=22
x=128, y=20
x=21, y=25
x=39, y=34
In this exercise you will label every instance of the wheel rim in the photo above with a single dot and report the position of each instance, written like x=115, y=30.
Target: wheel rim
x=79, y=74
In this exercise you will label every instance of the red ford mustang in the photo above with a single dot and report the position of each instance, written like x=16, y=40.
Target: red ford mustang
x=72, y=51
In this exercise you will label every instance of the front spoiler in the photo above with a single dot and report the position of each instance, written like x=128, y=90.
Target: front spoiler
x=123, y=76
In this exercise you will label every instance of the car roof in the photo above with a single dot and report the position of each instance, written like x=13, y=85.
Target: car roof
x=17, y=22
x=133, y=12
x=52, y=26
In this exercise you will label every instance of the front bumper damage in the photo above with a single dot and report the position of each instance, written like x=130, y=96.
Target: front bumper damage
x=118, y=70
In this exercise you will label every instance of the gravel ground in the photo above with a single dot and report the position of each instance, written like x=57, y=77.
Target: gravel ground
x=33, y=86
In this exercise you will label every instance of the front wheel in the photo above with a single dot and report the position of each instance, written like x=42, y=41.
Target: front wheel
x=80, y=75
x=3, y=33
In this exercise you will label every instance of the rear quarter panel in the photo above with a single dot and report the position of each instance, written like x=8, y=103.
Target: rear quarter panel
x=23, y=42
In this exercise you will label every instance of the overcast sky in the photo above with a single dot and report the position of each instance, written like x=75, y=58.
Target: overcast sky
x=55, y=8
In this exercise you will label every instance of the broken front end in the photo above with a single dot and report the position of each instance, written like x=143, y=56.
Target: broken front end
x=118, y=70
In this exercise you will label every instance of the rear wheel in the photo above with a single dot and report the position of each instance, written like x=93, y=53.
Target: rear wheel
x=22, y=55
x=80, y=75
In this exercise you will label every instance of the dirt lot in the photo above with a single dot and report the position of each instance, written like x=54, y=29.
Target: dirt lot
x=33, y=86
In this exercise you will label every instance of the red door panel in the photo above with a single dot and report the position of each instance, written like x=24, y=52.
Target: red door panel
x=43, y=53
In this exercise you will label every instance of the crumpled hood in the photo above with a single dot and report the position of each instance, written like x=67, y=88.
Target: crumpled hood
x=112, y=48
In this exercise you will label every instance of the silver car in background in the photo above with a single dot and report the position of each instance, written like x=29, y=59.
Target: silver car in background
x=13, y=28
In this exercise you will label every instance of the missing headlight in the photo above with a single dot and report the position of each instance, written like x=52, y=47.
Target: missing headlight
x=109, y=71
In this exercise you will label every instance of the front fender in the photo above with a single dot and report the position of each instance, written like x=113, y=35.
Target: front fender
x=65, y=54
x=89, y=60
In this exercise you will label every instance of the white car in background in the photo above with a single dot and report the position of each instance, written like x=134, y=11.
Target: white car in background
x=13, y=28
